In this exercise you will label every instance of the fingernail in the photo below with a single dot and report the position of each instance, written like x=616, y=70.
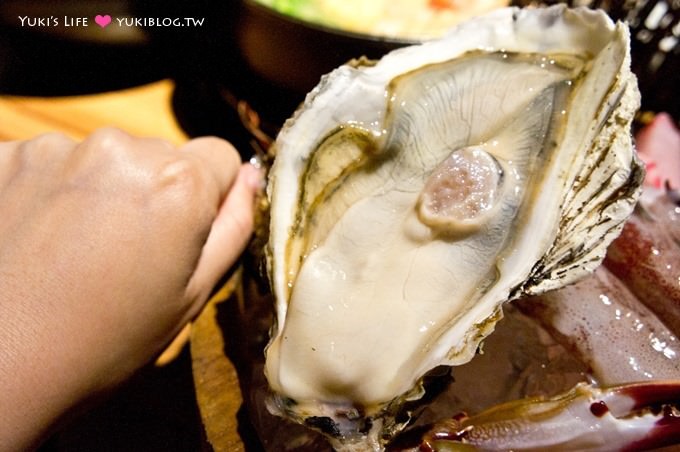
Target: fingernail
x=254, y=177
x=256, y=161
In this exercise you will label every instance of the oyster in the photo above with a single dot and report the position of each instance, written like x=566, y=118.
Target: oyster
x=412, y=197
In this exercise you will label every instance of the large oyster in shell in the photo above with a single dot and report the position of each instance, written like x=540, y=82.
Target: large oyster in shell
x=412, y=197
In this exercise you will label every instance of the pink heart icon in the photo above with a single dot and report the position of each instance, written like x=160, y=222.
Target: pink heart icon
x=102, y=21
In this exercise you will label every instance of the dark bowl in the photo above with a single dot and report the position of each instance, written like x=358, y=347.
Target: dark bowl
x=294, y=54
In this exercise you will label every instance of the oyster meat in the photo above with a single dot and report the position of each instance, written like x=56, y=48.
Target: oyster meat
x=411, y=197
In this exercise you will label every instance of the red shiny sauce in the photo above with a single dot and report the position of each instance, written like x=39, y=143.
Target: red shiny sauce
x=599, y=408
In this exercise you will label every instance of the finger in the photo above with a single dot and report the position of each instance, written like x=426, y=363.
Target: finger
x=229, y=234
x=217, y=156
x=173, y=350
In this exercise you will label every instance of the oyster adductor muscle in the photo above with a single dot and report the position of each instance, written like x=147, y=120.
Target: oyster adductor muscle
x=412, y=197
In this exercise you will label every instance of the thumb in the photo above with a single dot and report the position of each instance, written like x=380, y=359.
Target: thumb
x=229, y=233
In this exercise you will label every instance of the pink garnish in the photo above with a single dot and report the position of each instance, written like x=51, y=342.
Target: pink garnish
x=658, y=145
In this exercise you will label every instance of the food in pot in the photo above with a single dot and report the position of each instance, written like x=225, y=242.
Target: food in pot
x=402, y=19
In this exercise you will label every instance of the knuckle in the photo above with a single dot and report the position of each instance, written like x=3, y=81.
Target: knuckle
x=182, y=173
x=47, y=141
x=45, y=151
x=108, y=138
x=217, y=146
x=104, y=145
x=109, y=135
x=188, y=182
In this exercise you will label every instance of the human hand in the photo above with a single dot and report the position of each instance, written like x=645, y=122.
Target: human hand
x=107, y=248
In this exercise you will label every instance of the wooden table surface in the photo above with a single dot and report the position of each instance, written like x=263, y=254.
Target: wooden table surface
x=143, y=111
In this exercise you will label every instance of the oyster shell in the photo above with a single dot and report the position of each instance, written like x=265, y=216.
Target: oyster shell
x=412, y=197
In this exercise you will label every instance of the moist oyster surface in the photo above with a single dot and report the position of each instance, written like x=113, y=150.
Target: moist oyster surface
x=410, y=199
